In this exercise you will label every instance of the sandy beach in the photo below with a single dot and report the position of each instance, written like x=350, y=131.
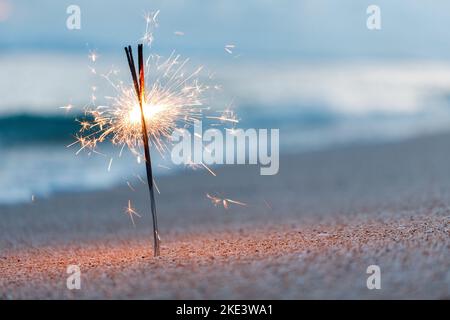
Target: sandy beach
x=309, y=232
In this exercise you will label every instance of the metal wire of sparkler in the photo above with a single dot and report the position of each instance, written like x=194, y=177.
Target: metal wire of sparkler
x=140, y=92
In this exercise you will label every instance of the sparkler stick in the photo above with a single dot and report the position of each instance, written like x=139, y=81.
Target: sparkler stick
x=176, y=96
x=140, y=91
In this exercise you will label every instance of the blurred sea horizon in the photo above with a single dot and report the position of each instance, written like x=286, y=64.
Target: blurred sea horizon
x=315, y=106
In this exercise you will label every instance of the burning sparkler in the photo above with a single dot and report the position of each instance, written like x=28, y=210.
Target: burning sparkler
x=139, y=117
x=173, y=99
x=140, y=92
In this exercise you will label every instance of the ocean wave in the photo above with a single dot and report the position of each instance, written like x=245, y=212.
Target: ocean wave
x=36, y=129
x=51, y=129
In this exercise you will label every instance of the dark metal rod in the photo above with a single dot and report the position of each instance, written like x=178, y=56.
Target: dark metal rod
x=148, y=161
x=140, y=90
x=130, y=59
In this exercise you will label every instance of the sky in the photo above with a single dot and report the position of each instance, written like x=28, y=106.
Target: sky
x=261, y=29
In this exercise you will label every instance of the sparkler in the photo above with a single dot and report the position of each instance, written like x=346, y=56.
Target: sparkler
x=140, y=92
x=172, y=100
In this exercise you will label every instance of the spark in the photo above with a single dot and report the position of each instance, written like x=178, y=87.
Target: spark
x=227, y=115
x=33, y=198
x=209, y=169
x=156, y=186
x=195, y=166
x=93, y=56
x=67, y=107
x=151, y=23
x=225, y=202
x=140, y=179
x=110, y=163
x=130, y=186
x=229, y=48
x=83, y=142
x=85, y=125
x=147, y=38
x=152, y=17
x=130, y=211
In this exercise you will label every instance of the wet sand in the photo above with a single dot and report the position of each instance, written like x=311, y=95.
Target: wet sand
x=309, y=232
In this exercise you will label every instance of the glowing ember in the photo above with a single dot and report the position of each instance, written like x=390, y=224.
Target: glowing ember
x=225, y=202
x=130, y=211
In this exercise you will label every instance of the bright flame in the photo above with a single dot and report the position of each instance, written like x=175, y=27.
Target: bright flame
x=151, y=112
x=173, y=97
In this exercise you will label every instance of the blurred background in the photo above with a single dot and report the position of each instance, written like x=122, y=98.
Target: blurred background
x=311, y=68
